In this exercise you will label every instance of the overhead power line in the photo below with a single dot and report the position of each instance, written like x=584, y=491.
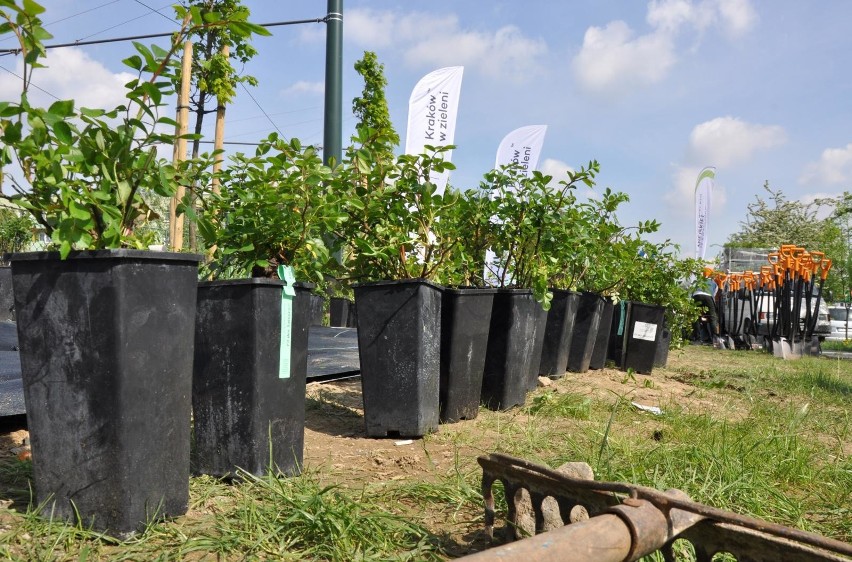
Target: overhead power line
x=152, y=36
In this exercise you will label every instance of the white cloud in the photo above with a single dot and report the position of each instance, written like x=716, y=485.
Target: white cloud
x=428, y=41
x=556, y=168
x=739, y=15
x=71, y=74
x=727, y=141
x=834, y=167
x=304, y=87
x=613, y=59
x=672, y=15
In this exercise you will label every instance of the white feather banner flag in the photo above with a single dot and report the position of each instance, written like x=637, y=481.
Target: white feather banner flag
x=432, y=112
x=703, y=196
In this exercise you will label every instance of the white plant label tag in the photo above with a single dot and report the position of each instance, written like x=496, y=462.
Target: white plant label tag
x=288, y=292
x=644, y=331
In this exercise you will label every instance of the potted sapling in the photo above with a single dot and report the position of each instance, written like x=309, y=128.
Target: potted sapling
x=264, y=222
x=522, y=213
x=105, y=327
x=466, y=304
x=564, y=241
x=395, y=254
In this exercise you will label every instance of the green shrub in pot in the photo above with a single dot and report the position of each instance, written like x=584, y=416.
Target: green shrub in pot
x=270, y=209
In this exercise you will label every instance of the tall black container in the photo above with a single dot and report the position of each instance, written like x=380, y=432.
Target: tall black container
x=242, y=403
x=539, y=327
x=558, y=331
x=106, y=340
x=661, y=357
x=399, y=340
x=599, y=352
x=617, y=331
x=586, y=323
x=644, y=328
x=7, y=300
x=465, y=320
x=511, y=340
x=341, y=313
x=317, y=310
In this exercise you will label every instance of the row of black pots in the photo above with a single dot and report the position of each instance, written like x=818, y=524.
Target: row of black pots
x=585, y=330
x=109, y=341
x=431, y=354
x=117, y=346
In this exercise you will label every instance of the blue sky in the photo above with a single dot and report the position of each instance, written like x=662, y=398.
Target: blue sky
x=653, y=90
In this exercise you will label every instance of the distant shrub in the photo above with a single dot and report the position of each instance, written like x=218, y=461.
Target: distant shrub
x=16, y=231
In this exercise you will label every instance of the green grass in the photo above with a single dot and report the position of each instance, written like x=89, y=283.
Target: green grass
x=845, y=345
x=766, y=437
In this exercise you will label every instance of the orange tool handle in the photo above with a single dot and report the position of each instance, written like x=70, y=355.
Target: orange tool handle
x=824, y=268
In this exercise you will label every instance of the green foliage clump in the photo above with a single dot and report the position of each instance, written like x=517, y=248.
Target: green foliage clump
x=86, y=173
x=270, y=209
x=16, y=231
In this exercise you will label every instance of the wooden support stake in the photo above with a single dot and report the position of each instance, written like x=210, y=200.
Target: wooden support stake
x=176, y=222
x=219, y=137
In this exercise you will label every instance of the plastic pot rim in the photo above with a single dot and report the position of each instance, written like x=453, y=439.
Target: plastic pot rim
x=413, y=281
x=102, y=254
x=470, y=290
x=259, y=281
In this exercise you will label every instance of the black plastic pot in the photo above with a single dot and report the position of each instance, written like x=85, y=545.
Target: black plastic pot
x=465, y=320
x=539, y=327
x=317, y=310
x=644, y=327
x=586, y=324
x=399, y=340
x=599, y=352
x=106, y=347
x=617, y=332
x=509, y=354
x=341, y=312
x=661, y=357
x=247, y=413
x=558, y=331
x=7, y=300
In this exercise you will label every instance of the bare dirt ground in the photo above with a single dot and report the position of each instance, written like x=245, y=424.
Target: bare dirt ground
x=334, y=428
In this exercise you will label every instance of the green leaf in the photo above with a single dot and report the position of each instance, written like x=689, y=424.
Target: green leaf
x=90, y=112
x=123, y=191
x=62, y=108
x=64, y=249
x=33, y=8
x=12, y=133
x=78, y=212
x=134, y=62
x=63, y=132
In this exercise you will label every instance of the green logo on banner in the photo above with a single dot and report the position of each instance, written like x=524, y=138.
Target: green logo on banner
x=286, y=274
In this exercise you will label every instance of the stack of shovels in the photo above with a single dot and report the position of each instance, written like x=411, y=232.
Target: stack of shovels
x=779, y=303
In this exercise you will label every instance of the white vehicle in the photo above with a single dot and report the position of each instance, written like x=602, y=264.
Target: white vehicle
x=740, y=310
x=841, y=323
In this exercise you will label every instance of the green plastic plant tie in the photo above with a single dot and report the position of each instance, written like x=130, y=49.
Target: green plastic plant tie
x=622, y=313
x=288, y=292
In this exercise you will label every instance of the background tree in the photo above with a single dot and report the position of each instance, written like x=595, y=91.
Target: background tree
x=843, y=217
x=371, y=108
x=16, y=231
x=775, y=220
x=214, y=76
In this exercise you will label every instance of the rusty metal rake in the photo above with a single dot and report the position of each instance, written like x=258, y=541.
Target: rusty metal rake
x=614, y=521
